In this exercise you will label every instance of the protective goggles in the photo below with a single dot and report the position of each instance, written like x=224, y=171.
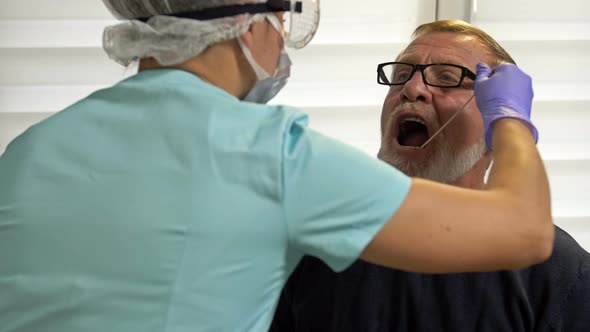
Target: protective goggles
x=300, y=17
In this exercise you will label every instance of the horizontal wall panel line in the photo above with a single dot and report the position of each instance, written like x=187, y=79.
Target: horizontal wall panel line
x=535, y=30
x=521, y=45
x=48, y=98
x=541, y=109
x=88, y=33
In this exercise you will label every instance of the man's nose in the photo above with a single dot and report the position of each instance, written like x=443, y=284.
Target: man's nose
x=416, y=90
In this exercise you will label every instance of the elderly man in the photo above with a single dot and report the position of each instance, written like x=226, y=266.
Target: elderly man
x=552, y=296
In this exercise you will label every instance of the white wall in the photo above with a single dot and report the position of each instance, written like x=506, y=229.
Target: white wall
x=50, y=56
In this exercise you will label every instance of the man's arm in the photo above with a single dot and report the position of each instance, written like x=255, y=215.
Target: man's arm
x=440, y=228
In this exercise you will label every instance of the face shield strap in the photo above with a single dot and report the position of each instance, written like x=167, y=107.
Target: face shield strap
x=271, y=6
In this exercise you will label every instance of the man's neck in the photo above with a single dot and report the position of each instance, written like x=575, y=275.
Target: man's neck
x=475, y=178
x=470, y=182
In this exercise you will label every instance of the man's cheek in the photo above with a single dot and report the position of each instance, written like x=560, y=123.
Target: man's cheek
x=385, y=119
x=388, y=124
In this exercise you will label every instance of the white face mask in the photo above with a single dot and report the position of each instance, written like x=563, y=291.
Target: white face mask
x=267, y=86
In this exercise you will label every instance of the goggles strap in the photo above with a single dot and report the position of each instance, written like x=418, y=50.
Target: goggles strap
x=270, y=6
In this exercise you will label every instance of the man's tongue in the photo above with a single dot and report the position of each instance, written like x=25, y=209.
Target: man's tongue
x=415, y=138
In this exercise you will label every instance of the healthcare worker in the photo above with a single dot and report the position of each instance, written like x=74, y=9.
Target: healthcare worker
x=176, y=200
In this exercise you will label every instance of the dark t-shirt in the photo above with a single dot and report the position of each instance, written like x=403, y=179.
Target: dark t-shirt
x=552, y=296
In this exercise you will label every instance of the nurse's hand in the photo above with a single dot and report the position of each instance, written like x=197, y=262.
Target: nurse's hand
x=503, y=92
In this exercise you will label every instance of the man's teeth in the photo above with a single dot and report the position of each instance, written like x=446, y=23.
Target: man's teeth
x=413, y=119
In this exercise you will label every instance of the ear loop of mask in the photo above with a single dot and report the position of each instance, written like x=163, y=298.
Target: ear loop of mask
x=258, y=70
x=446, y=123
x=131, y=69
x=261, y=73
x=274, y=21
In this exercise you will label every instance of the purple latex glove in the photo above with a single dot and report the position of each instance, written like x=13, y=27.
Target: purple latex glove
x=504, y=92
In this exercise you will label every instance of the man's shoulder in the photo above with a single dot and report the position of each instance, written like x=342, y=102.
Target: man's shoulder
x=565, y=244
x=569, y=258
x=561, y=285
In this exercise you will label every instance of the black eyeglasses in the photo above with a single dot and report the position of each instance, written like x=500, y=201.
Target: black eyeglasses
x=444, y=75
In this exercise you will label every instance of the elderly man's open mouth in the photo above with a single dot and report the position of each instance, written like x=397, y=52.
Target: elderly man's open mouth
x=412, y=131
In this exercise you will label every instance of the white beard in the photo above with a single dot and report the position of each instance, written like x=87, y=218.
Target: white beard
x=444, y=166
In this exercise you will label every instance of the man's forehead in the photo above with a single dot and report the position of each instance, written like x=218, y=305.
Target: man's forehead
x=445, y=47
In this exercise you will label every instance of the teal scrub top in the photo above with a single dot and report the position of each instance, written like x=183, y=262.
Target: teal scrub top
x=165, y=204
